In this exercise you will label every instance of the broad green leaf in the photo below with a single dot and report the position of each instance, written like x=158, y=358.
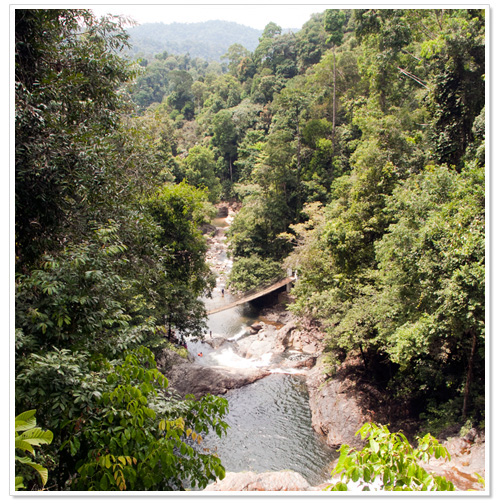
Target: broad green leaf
x=42, y=471
x=25, y=421
x=36, y=436
x=374, y=445
x=20, y=444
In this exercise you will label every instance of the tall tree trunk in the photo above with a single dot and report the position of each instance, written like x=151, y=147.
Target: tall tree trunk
x=334, y=106
x=298, y=150
x=169, y=331
x=299, y=168
x=468, y=380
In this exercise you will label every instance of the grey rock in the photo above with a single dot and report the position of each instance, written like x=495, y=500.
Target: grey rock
x=248, y=481
x=216, y=380
x=256, y=345
x=335, y=412
x=166, y=358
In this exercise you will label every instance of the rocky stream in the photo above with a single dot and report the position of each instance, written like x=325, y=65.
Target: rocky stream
x=287, y=418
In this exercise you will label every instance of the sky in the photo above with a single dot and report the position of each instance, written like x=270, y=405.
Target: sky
x=256, y=15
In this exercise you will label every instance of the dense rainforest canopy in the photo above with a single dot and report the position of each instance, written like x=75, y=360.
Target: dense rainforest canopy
x=356, y=147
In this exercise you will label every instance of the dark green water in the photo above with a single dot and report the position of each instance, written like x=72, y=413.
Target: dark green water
x=271, y=430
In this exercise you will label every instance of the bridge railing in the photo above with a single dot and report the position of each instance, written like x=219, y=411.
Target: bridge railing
x=258, y=288
x=233, y=298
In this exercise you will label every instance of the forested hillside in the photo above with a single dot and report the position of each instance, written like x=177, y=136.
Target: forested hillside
x=208, y=40
x=356, y=148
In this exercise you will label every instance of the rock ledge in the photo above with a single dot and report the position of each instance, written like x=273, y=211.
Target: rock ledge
x=248, y=481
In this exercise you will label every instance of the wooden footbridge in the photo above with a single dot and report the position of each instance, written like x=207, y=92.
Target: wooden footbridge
x=253, y=294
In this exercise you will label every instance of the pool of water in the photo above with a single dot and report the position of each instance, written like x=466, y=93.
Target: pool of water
x=270, y=430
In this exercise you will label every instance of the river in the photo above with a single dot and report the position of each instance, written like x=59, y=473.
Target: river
x=270, y=420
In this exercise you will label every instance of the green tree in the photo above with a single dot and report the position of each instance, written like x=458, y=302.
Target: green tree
x=200, y=171
x=80, y=298
x=251, y=272
x=432, y=264
x=256, y=226
x=388, y=62
x=179, y=210
x=179, y=93
x=276, y=53
x=224, y=138
x=137, y=438
x=456, y=57
x=311, y=43
x=248, y=151
x=64, y=99
x=388, y=462
x=437, y=50
x=334, y=21
x=199, y=90
x=271, y=30
x=235, y=54
x=225, y=92
x=151, y=85
x=290, y=105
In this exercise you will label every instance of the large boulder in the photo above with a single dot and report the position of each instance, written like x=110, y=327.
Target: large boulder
x=257, y=345
x=284, y=334
x=167, y=357
x=207, y=228
x=248, y=481
x=467, y=459
x=300, y=336
x=336, y=411
x=302, y=362
x=216, y=380
x=215, y=341
x=254, y=328
x=277, y=314
x=222, y=210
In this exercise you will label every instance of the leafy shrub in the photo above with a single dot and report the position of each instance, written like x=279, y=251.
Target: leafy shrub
x=388, y=462
x=138, y=437
x=28, y=435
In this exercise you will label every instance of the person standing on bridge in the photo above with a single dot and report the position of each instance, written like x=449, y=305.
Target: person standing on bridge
x=222, y=291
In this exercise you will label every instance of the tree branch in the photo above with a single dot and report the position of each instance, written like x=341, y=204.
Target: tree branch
x=414, y=77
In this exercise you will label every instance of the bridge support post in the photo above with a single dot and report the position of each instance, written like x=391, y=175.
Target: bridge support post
x=288, y=285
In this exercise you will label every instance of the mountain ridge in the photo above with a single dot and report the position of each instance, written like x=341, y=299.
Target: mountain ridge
x=206, y=39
